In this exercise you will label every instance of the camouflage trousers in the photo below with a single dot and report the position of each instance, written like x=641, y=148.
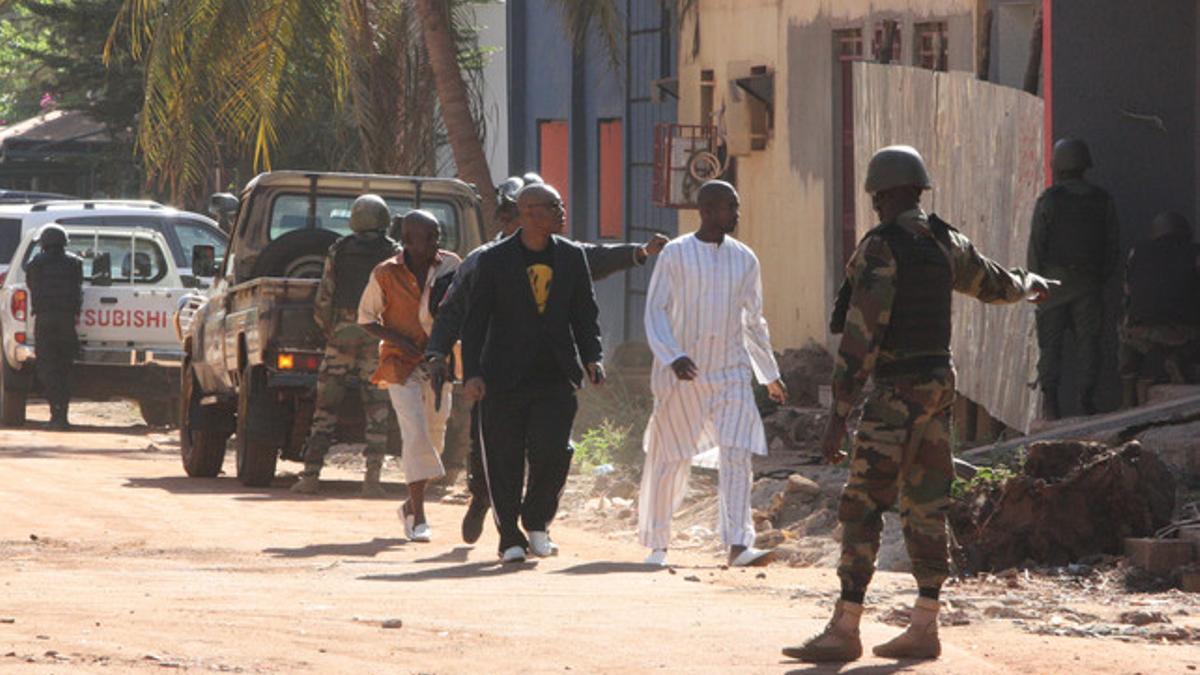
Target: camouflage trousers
x=348, y=366
x=901, y=449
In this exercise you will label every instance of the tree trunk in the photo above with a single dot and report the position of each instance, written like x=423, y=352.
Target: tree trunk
x=456, y=108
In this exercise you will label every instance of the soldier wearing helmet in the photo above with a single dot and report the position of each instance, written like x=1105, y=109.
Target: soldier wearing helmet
x=604, y=260
x=1074, y=238
x=897, y=332
x=351, y=353
x=55, y=279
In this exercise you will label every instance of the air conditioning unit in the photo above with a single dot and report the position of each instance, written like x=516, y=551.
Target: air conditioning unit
x=685, y=157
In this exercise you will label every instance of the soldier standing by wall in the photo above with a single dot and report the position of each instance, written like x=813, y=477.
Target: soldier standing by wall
x=55, y=279
x=1074, y=238
x=1162, y=307
x=897, y=330
x=351, y=353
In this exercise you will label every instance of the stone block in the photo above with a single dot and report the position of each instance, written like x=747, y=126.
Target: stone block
x=1159, y=556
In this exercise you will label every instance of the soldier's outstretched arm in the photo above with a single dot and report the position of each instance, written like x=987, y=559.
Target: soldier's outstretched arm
x=871, y=273
x=985, y=279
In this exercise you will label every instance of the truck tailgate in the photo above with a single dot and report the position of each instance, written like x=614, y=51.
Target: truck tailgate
x=128, y=316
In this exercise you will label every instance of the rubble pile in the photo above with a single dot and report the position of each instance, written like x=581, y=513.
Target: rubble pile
x=1072, y=499
x=804, y=371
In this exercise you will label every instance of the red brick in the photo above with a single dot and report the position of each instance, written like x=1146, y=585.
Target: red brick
x=1159, y=556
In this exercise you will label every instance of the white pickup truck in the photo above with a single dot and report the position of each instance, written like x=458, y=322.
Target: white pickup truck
x=128, y=345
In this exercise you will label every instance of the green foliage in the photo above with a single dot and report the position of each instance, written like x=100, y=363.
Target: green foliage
x=986, y=478
x=600, y=445
x=22, y=80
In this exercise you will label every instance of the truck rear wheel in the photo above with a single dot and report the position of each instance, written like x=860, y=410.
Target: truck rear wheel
x=202, y=432
x=160, y=412
x=12, y=395
x=257, y=448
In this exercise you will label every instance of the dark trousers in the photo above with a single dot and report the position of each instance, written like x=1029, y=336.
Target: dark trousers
x=476, y=474
x=530, y=423
x=55, y=344
x=1084, y=316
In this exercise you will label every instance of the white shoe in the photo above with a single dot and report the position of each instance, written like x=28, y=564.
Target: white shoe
x=413, y=532
x=513, y=554
x=657, y=557
x=753, y=557
x=541, y=546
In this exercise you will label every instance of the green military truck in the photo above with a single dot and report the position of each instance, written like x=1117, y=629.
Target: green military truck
x=251, y=348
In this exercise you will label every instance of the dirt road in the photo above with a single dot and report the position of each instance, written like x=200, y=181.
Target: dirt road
x=113, y=561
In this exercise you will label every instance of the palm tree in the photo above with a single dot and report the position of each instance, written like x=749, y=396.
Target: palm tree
x=223, y=77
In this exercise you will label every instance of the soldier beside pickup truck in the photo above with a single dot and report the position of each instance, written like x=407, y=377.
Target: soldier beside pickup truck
x=252, y=348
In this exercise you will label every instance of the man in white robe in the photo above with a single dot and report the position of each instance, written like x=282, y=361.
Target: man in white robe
x=705, y=326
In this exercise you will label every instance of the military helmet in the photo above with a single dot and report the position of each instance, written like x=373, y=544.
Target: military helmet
x=1071, y=154
x=52, y=236
x=897, y=166
x=369, y=213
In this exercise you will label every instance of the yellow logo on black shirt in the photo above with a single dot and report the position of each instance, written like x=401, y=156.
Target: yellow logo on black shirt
x=540, y=278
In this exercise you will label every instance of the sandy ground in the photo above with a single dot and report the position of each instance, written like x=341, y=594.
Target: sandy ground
x=113, y=561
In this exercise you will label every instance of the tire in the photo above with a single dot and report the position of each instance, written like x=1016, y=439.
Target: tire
x=202, y=435
x=12, y=395
x=257, y=449
x=160, y=413
x=300, y=255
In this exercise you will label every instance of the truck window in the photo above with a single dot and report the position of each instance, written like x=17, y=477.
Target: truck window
x=10, y=237
x=289, y=212
x=192, y=233
x=135, y=260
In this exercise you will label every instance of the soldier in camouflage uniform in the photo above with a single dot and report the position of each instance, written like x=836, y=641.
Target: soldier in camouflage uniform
x=897, y=331
x=351, y=354
x=1162, y=313
x=1074, y=238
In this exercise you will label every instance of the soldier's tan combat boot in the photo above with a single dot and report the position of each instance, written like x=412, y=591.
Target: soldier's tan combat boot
x=838, y=643
x=920, y=640
x=372, y=487
x=309, y=484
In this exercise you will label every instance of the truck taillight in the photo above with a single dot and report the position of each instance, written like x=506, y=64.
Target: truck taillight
x=20, y=304
x=290, y=361
x=20, y=338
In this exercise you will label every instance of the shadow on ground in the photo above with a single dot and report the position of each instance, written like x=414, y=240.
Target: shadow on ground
x=278, y=490
x=475, y=570
x=363, y=549
x=850, y=669
x=609, y=568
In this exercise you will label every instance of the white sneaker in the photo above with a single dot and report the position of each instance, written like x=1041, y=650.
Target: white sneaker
x=422, y=533
x=541, y=546
x=657, y=557
x=513, y=554
x=753, y=557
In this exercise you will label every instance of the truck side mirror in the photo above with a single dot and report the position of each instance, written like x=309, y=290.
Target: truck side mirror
x=102, y=270
x=222, y=204
x=204, y=260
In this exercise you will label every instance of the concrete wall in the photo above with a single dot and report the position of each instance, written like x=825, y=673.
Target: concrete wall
x=983, y=144
x=493, y=35
x=789, y=205
x=1124, y=79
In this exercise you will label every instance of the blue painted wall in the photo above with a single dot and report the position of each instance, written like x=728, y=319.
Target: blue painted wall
x=548, y=80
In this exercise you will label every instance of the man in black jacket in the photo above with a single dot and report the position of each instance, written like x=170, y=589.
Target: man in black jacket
x=531, y=320
x=55, y=279
x=603, y=260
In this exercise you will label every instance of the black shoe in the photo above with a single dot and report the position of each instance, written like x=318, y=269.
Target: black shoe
x=472, y=524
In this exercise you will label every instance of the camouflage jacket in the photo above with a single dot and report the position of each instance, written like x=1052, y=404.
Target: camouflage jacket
x=871, y=274
x=336, y=324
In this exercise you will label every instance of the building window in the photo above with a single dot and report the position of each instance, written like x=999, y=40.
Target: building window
x=886, y=32
x=708, y=86
x=612, y=180
x=849, y=44
x=931, y=45
x=554, y=142
x=762, y=117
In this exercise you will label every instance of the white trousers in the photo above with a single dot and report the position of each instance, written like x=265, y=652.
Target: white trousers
x=664, y=485
x=422, y=429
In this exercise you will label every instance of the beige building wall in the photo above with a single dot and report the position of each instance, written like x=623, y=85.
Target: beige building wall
x=789, y=206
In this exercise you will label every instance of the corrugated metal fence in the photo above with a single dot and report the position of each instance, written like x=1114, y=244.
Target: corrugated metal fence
x=983, y=144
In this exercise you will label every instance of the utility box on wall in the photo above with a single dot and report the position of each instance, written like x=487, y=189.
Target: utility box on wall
x=685, y=157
